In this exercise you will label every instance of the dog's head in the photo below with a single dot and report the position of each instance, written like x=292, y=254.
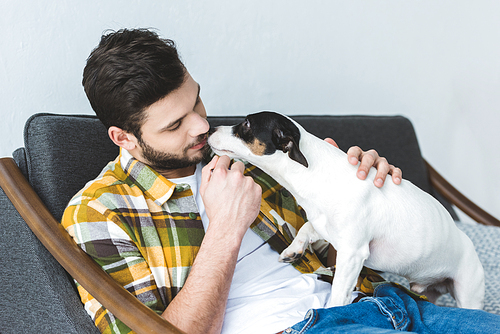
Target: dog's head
x=261, y=134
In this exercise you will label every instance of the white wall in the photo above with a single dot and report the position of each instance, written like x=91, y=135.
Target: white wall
x=436, y=62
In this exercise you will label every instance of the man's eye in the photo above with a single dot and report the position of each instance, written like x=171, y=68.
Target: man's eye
x=175, y=127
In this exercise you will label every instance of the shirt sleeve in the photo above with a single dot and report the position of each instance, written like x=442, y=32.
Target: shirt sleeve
x=101, y=234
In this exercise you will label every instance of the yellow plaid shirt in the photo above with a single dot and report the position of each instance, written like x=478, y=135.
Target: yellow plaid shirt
x=145, y=232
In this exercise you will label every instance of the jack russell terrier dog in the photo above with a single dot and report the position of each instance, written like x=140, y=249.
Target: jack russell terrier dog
x=397, y=228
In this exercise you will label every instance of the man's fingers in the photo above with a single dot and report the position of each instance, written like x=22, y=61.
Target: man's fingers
x=209, y=167
x=397, y=174
x=370, y=159
x=219, y=165
x=382, y=170
x=367, y=161
x=206, y=173
x=223, y=163
x=354, y=155
x=238, y=166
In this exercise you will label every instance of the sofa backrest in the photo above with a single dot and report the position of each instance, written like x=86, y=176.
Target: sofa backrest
x=63, y=152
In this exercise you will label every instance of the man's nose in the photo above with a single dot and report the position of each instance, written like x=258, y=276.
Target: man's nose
x=200, y=125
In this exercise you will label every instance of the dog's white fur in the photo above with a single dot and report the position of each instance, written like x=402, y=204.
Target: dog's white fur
x=396, y=228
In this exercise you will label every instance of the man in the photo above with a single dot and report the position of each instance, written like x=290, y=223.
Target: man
x=179, y=236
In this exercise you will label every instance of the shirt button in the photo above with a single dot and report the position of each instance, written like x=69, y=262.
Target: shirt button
x=193, y=215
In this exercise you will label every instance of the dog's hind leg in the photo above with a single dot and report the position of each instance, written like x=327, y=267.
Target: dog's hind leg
x=306, y=236
x=468, y=286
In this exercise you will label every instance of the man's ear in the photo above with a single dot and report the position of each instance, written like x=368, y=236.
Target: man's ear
x=287, y=143
x=121, y=138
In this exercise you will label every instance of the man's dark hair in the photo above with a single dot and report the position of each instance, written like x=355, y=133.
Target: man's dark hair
x=129, y=71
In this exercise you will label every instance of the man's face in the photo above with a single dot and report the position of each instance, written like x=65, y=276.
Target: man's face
x=173, y=136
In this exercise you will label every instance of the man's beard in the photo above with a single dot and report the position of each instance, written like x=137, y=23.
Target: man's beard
x=162, y=161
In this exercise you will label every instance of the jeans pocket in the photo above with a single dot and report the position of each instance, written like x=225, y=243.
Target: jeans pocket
x=391, y=310
x=307, y=323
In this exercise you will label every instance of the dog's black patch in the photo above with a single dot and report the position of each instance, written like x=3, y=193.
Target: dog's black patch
x=274, y=132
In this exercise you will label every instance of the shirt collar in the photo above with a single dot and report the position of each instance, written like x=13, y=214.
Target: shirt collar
x=153, y=184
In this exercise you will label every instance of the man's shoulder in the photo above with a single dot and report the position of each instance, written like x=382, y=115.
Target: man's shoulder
x=111, y=180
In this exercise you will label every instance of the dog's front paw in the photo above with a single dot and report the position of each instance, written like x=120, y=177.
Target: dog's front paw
x=289, y=257
x=292, y=253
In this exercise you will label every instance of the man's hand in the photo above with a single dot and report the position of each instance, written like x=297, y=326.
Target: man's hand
x=370, y=159
x=231, y=198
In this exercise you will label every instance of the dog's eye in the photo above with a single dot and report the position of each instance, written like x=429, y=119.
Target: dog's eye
x=246, y=123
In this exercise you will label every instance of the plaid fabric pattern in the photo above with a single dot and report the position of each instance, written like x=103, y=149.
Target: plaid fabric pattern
x=145, y=232
x=279, y=220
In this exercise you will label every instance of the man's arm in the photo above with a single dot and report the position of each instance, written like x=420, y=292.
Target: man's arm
x=96, y=230
x=232, y=203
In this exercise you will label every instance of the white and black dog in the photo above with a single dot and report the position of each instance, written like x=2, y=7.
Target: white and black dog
x=396, y=228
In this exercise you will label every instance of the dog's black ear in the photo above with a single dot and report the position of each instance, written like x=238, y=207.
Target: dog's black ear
x=287, y=143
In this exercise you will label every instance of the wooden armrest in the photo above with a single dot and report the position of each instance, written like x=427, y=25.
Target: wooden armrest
x=456, y=198
x=77, y=263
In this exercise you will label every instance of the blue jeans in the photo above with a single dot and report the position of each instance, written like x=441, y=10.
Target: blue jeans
x=392, y=309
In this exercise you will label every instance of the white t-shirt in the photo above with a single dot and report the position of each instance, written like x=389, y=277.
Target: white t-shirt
x=266, y=296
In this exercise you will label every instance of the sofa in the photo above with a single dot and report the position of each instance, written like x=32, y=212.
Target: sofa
x=63, y=152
